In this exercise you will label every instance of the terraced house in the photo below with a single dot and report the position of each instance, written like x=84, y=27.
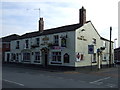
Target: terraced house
x=61, y=46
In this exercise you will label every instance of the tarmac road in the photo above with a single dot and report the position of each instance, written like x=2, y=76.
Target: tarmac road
x=25, y=77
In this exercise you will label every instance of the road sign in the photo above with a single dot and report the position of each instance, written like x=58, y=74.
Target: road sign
x=90, y=49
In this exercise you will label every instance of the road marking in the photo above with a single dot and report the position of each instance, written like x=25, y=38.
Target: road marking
x=100, y=80
x=13, y=82
x=111, y=85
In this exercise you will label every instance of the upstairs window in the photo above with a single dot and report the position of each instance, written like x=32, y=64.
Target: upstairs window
x=17, y=45
x=26, y=43
x=56, y=40
x=37, y=41
x=104, y=44
x=94, y=41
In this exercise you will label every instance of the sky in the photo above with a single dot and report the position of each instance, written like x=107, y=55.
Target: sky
x=21, y=16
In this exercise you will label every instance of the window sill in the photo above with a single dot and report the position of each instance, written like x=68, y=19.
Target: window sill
x=94, y=62
x=55, y=62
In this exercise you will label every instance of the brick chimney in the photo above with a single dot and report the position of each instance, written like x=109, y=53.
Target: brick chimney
x=41, y=25
x=82, y=15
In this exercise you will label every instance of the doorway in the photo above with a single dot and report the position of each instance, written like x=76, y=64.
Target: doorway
x=8, y=57
x=46, y=59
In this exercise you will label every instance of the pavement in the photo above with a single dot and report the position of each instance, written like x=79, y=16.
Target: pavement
x=16, y=76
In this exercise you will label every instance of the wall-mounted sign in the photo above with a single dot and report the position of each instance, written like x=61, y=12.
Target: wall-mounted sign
x=79, y=38
x=63, y=42
x=79, y=56
x=45, y=38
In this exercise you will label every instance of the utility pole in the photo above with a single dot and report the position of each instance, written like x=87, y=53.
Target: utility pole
x=110, y=47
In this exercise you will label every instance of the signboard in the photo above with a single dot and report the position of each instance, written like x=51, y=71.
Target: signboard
x=63, y=42
x=45, y=38
x=90, y=49
x=79, y=56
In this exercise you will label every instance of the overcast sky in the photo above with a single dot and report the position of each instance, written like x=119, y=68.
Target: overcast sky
x=21, y=17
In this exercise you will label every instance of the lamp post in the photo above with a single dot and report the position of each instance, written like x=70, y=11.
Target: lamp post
x=110, y=47
x=115, y=43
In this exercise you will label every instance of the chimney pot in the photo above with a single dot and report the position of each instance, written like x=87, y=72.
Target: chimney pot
x=41, y=25
x=82, y=15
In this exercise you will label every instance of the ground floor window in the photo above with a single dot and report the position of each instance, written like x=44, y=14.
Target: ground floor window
x=13, y=57
x=66, y=58
x=17, y=56
x=94, y=58
x=37, y=57
x=56, y=56
x=26, y=56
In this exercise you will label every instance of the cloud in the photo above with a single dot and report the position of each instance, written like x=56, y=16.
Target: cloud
x=21, y=15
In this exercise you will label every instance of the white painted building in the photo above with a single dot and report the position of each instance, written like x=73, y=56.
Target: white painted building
x=61, y=46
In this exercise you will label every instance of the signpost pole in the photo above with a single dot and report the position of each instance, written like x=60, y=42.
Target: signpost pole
x=91, y=61
x=91, y=51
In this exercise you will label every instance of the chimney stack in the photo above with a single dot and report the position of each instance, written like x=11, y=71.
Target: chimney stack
x=41, y=25
x=82, y=15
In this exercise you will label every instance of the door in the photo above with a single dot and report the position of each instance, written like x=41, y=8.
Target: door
x=46, y=59
x=8, y=57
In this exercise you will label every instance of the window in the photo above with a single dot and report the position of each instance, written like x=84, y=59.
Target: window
x=66, y=58
x=26, y=43
x=56, y=40
x=13, y=57
x=94, y=58
x=26, y=56
x=104, y=44
x=37, y=41
x=56, y=56
x=37, y=57
x=17, y=56
x=94, y=41
x=7, y=45
x=17, y=45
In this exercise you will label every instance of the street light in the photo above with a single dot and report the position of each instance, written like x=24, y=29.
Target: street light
x=115, y=43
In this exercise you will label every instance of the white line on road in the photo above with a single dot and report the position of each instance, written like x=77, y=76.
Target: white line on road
x=13, y=82
x=100, y=80
x=111, y=85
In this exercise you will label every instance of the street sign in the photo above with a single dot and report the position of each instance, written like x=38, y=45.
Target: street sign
x=90, y=49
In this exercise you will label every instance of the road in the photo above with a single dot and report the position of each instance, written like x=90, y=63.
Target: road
x=25, y=77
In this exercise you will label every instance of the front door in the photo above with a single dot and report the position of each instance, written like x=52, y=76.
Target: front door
x=46, y=59
x=8, y=57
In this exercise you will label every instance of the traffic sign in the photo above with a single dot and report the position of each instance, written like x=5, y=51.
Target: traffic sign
x=90, y=49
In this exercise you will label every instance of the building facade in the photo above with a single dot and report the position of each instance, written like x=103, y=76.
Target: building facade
x=117, y=55
x=62, y=46
x=5, y=45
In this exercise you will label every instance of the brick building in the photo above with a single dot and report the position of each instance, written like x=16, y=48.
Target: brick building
x=5, y=45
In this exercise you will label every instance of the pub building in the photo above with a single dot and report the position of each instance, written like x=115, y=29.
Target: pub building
x=65, y=46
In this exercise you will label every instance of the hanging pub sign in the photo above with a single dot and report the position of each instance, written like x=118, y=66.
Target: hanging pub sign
x=45, y=38
x=63, y=42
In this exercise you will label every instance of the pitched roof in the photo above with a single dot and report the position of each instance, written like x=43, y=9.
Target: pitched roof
x=105, y=39
x=66, y=28
x=9, y=38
